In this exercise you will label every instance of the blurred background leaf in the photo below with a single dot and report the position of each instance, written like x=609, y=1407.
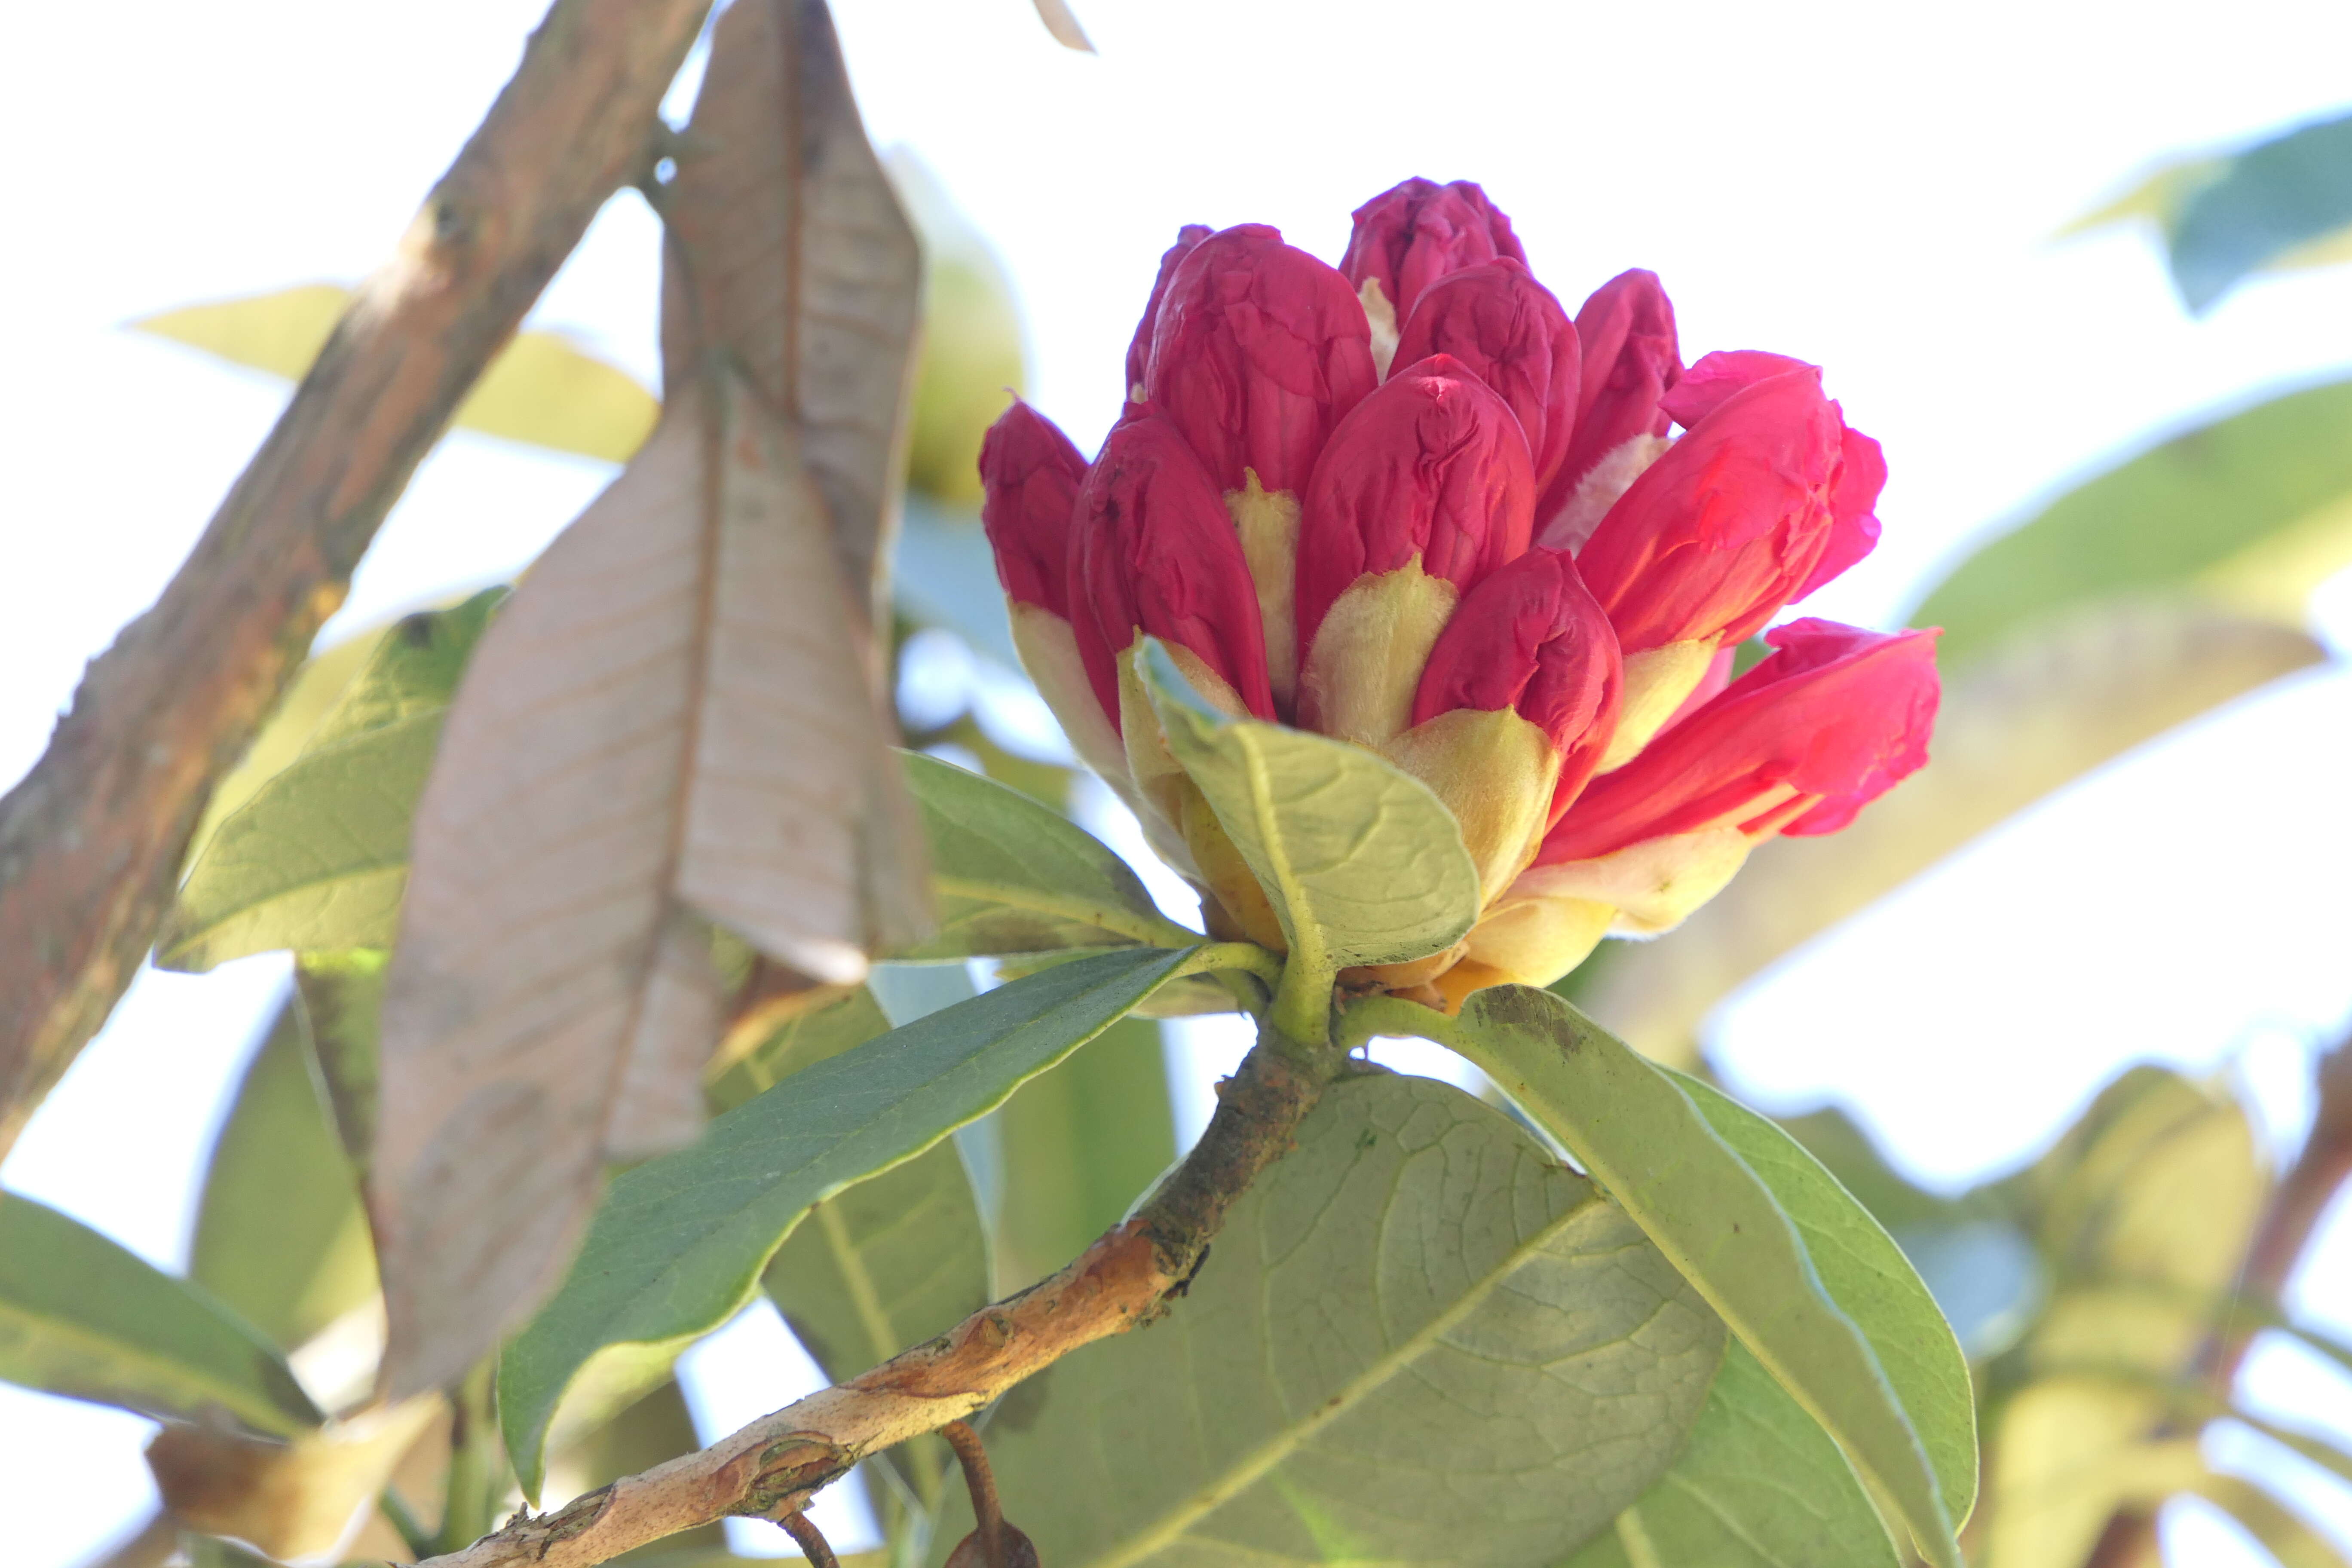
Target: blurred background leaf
x=2281, y=205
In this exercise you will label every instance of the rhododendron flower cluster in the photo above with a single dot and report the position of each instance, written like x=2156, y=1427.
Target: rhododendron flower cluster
x=1410, y=502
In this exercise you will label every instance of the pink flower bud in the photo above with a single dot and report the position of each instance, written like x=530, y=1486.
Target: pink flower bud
x=1510, y=331
x=1723, y=528
x=1828, y=722
x=1432, y=464
x=1409, y=237
x=1030, y=474
x=1139, y=348
x=1630, y=357
x=1257, y=351
x=1154, y=552
x=1530, y=637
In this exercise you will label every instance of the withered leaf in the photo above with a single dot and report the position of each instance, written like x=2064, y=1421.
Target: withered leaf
x=790, y=253
x=666, y=725
x=679, y=720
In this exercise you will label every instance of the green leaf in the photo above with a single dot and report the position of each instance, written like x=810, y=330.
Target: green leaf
x=281, y=1238
x=2048, y=706
x=1013, y=876
x=678, y=1244
x=1362, y=863
x=542, y=389
x=2253, y=510
x=1758, y=1484
x=316, y=860
x=83, y=1317
x=1631, y=1124
x=1418, y=1339
x=1870, y=1279
x=2270, y=201
x=1080, y=1144
x=803, y=1040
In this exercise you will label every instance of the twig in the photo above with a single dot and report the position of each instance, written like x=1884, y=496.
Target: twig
x=91, y=840
x=1125, y=1279
x=810, y=1539
x=980, y=1482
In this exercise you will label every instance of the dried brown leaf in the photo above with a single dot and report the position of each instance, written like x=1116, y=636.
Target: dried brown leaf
x=669, y=722
x=1063, y=23
x=789, y=251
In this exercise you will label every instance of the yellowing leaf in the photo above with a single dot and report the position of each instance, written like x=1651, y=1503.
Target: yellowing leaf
x=2015, y=726
x=543, y=389
x=2068, y=1452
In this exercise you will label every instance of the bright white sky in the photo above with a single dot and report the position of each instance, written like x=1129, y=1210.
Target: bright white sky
x=1864, y=185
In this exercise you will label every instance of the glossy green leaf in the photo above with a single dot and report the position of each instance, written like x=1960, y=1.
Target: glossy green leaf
x=1870, y=1279
x=1758, y=1484
x=2269, y=201
x=1080, y=1144
x=1013, y=876
x=281, y=1238
x=2253, y=510
x=542, y=389
x=1362, y=863
x=1631, y=1124
x=316, y=860
x=1418, y=1338
x=811, y=1035
x=81, y=1316
x=2045, y=708
x=679, y=1243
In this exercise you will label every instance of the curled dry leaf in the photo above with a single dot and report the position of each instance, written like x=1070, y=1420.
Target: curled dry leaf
x=301, y=1499
x=790, y=253
x=1020, y=1552
x=678, y=719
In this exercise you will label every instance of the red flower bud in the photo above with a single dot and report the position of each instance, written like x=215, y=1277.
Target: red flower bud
x=1723, y=528
x=1030, y=474
x=1434, y=465
x=1139, y=348
x=1512, y=334
x=1409, y=237
x=1799, y=744
x=1853, y=525
x=1257, y=351
x=1531, y=637
x=1153, y=550
x=1630, y=357
x=1861, y=468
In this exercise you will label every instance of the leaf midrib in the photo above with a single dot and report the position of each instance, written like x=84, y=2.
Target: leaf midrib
x=1251, y=1467
x=1149, y=931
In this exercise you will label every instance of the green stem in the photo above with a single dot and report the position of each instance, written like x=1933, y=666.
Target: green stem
x=477, y=1473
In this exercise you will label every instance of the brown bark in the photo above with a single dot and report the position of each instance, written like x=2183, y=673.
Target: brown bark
x=91, y=840
x=773, y=1467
